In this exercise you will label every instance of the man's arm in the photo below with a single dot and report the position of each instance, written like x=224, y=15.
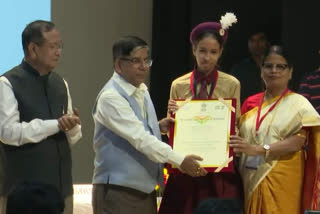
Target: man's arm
x=16, y=133
x=115, y=113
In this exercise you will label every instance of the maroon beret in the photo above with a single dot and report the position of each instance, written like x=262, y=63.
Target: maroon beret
x=214, y=26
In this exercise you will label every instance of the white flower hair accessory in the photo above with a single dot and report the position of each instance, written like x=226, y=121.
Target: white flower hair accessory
x=226, y=21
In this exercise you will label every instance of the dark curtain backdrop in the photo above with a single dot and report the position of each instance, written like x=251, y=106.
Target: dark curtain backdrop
x=170, y=48
x=173, y=21
x=301, y=34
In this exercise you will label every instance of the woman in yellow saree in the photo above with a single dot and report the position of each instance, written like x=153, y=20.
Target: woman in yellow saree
x=279, y=139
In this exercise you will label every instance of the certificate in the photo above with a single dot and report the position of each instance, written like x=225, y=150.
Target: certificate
x=203, y=127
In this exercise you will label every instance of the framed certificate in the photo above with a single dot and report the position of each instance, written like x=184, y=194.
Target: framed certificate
x=203, y=127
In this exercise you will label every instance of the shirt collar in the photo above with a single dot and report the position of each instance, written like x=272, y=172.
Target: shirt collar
x=128, y=87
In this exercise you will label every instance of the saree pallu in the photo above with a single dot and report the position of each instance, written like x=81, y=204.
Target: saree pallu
x=288, y=183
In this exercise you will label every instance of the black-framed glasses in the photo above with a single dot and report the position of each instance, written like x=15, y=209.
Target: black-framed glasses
x=278, y=67
x=137, y=61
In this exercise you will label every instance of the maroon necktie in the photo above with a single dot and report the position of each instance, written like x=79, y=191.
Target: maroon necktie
x=203, y=93
x=204, y=81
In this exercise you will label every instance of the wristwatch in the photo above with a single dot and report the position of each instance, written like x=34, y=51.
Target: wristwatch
x=267, y=149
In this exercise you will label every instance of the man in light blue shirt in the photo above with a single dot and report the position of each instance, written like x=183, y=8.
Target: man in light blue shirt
x=127, y=140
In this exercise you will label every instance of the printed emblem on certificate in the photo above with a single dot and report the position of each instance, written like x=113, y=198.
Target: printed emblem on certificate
x=203, y=127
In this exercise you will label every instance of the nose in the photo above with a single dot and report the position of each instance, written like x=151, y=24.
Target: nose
x=274, y=68
x=206, y=56
x=58, y=51
x=144, y=65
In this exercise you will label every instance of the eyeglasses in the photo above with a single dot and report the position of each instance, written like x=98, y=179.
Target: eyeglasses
x=137, y=61
x=278, y=67
x=52, y=46
x=55, y=46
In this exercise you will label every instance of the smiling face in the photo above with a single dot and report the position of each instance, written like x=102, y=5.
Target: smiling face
x=275, y=71
x=207, y=53
x=135, y=67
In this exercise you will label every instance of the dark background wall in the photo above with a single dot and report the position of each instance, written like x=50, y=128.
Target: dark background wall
x=292, y=24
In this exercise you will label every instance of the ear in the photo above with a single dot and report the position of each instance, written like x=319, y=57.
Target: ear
x=117, y=66
x=194, y=49
x=32, y=50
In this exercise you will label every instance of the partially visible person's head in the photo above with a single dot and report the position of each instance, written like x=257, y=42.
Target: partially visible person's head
x=42, y=44
x=257, y=43
x=219, y=206
x=207, y=41
x=35, y=198
x=276, y=67
x=131, y=58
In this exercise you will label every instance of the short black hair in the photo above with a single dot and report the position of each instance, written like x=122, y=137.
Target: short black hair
x=125, y=45
x=33, y=32
x=35, y=198
x=219, y=206
x=258, y=32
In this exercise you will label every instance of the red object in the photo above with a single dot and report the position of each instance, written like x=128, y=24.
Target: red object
x=259, y=120
x=199, y=77
x=213, y=26
x=203, y=94
x=251, y=102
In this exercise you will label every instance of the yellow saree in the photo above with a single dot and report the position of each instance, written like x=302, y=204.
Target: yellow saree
x=283, y=184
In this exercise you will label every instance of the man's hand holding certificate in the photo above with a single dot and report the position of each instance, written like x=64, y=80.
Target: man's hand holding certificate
x=203, y=127
x=190, y=165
